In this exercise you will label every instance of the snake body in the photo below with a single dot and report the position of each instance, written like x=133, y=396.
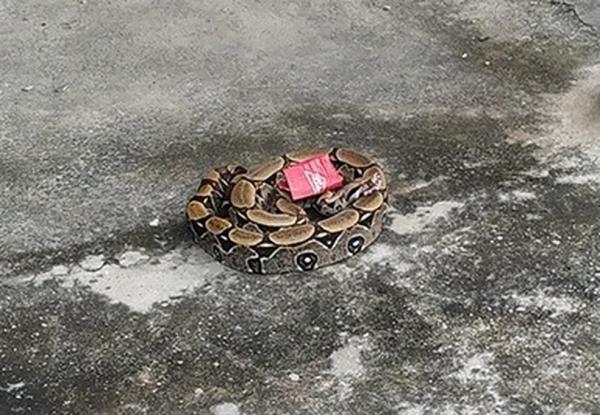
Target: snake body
x=244, y=220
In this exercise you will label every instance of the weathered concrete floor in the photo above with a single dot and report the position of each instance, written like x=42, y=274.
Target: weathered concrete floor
x=481, y=296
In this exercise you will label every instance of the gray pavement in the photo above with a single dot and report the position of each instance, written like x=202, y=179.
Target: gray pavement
x=480, y=297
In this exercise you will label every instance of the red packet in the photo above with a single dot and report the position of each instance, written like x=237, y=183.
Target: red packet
x=311, y=177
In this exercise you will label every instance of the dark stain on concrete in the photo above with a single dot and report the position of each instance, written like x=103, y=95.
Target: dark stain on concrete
x=60, y=347
x=533, y=65
x=542, y=62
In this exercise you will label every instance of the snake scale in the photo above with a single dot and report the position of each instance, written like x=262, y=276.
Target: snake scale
x=245, y=221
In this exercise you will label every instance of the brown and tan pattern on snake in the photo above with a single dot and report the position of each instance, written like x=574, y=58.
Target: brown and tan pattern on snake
x=245, y=221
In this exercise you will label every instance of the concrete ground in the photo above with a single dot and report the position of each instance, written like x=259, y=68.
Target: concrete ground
x=480, y=297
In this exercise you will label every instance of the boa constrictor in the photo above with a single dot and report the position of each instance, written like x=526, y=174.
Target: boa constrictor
x=244, y=220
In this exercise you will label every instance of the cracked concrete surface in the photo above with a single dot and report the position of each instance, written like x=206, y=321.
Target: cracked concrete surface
x=480, y=297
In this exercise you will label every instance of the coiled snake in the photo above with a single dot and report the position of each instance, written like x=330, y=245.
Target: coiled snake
x=244, y=220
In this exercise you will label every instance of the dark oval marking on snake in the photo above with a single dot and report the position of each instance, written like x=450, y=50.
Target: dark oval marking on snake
x=307, y=261
x=254, y=265
x=217, y=253
x=355, y=244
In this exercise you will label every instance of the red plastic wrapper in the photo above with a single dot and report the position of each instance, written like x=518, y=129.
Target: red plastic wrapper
x=311, y=177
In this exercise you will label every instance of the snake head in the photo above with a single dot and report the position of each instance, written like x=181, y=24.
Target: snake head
x=332, y=202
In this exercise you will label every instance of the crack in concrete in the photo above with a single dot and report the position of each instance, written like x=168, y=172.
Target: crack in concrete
x=571, y=8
